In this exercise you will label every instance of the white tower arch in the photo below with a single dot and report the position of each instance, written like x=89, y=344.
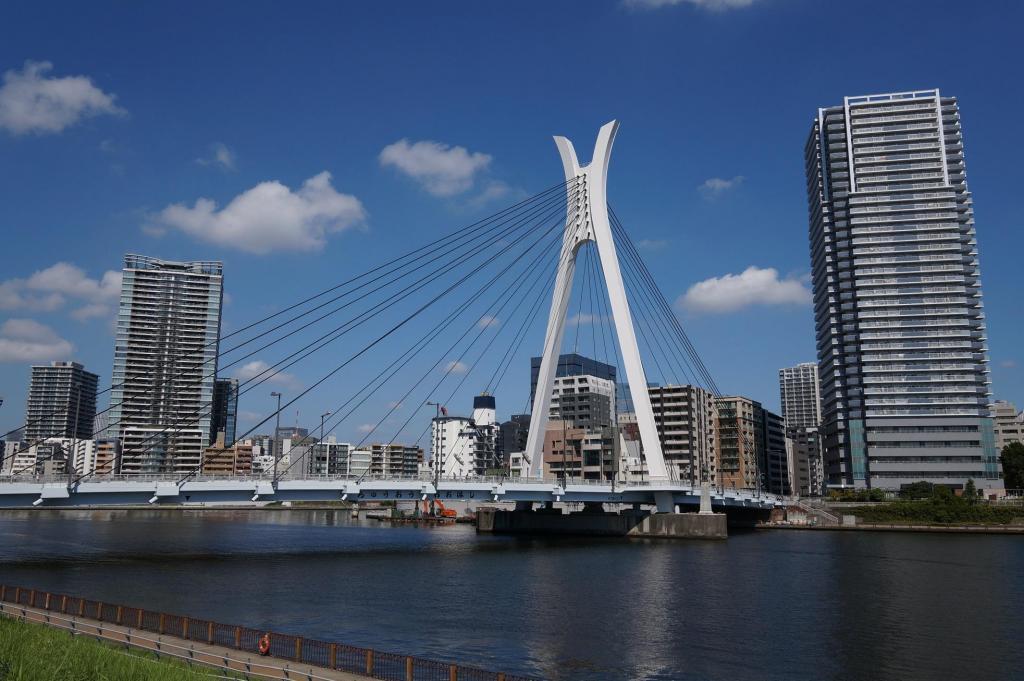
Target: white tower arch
x=587, y=220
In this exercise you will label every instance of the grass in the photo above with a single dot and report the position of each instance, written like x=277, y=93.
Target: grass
x=35, y=652
x=942, y=508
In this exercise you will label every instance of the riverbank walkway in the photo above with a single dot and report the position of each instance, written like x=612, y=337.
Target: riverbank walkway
x=229, y=648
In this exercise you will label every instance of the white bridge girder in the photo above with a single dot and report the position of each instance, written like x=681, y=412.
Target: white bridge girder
x=143, y=492
x=587, y=220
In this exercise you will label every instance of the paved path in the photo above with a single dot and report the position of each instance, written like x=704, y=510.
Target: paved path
x=246, y=665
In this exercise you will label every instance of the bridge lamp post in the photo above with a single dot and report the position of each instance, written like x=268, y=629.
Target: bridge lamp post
x=277, y=429
x=323, y=447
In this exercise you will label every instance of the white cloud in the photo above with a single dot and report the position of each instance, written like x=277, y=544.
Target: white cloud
x=714, y=187
x=259, y=368
x=582, y=318
x=32, y=102
x=441, y=169
x=26, y=340
x=712, y=5
x=455, y=367
x=221, y=156
x=366, y=428
x=1008, y=364
x=268, y=217
x=652, y=244
x=753, y=286
x=47, y=290
x=488, y=321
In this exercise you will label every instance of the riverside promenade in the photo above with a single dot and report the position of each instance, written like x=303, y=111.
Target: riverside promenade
x=230, y=648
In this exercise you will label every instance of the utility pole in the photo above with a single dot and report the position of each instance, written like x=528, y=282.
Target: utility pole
x=277, y=428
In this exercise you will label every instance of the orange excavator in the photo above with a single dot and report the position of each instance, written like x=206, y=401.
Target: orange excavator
x=443, y=511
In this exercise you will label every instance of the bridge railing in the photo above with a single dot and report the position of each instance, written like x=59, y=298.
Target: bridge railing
x=338, y=656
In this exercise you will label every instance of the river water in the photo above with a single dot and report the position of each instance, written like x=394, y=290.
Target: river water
x=763, y=605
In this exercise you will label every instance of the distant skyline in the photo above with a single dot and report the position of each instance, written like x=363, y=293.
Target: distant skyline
x=300, y=145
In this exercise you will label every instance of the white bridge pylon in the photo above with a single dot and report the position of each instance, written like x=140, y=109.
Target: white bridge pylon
x=587, y=220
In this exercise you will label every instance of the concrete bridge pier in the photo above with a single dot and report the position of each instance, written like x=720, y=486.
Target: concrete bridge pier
x=594, y=521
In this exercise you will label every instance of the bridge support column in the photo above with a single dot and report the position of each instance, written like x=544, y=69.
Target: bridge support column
x=664, y=502
x=705, y=498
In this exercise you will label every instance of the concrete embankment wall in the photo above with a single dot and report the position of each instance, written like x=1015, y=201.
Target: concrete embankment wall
x=624, y=524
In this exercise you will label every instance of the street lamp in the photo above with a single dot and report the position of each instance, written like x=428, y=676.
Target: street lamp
x=277, y=428
x=321, y=443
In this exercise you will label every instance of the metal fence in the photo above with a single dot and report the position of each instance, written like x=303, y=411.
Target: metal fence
x=366, y=661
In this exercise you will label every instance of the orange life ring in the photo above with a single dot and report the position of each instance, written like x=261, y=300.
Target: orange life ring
x=264, y=644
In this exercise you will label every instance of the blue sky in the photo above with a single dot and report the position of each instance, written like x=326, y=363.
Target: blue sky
x=172, y=103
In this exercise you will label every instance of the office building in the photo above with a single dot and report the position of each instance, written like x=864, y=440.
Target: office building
x=801, y=399
x=901, y=342
x=61, y=402
x=225, y=409
x=685, y=418
x=1009, y=424
x=165, y=363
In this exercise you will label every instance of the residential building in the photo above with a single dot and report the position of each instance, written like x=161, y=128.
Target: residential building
x=225, y=409
x=61, y=402
x=331, y=457
x=591, y=453
x=901, y=341
x=451, y=446
x=462, y=447
x=9, y=450
x=801, y=398
x=165, y=363
x=685, y=418
x=394, y=460
x=739, y=442
x=586, y=401
x=512, y=437
x=108, y=457
x=222, y=459
x=808, y=470
x=776, y=463
x=1009, y=424
x=572, y=364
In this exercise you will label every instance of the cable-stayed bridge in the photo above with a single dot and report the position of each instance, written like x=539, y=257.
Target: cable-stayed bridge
x=448, y=316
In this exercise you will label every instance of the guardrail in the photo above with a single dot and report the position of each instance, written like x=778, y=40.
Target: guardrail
x=375, y=664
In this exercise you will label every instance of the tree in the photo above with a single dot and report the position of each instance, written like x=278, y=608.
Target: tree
x=971, y=491
x=1012, y=459
x=917, y=490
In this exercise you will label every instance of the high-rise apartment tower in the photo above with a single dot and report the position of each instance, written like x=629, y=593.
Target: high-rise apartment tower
x=902, y=355
x=801, y=400
x=61, y=402
x=165, y=363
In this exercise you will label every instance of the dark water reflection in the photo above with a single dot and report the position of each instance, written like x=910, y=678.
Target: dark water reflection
x=765, y=605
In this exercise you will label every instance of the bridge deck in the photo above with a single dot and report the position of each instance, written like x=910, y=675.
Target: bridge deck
x=20, y=491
